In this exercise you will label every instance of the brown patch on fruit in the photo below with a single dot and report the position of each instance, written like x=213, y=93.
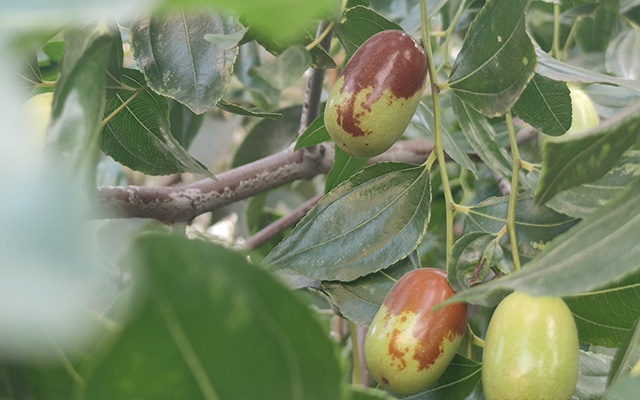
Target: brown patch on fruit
x=384, y=380
x=389, y=60
x=418, y=292
x=395, y=352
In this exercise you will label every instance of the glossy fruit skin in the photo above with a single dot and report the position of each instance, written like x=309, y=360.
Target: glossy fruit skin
x=376, y=95
x=407, y=346
x=38, y=111
x=583, y=112
x=531, y=350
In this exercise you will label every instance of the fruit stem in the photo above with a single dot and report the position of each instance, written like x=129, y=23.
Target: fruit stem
x=527, y=166
x=476, y=340
x=555, y=47
x=435, y=96
x=318, y=39
x=356, y=378
x=513, y=196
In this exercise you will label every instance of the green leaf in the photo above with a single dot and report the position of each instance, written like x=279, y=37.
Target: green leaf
x=115, y=64
x=472, y=258
x=139, y=135
x=604, y=316
x=482, y=138
x=600, y=249
x=424, y=120
x=226, y=41
x=359, y=300
x=363, y=393
x=185, y=124
x=344, y=166
x=535, y=225
x=376, y=218
x=263, y=94
x=593, y=32
x=79, y=103
x=625, y=356
x=623, y=55
x=29, y=72
x=546, y=105
x=625, y=389
x=359, y=24
x=456, y=383
x=248, y=112
x=592, y=375
x=559, y=71
x=497, y=59
x=178, y=62
x=582, y=200
x=571, y=161
x=268, y=137
x=208, y=329
x=285, y=69
x=316, y=133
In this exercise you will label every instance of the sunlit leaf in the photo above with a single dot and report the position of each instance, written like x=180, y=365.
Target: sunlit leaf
x=359, y=24
x=247, y=112
x=316, y=133
x=623, y=55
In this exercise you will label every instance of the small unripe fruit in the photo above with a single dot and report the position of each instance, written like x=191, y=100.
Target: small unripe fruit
x=408, y=346
x=38, y=110
x=531, y=350
x=583, y=112
x=372, y=102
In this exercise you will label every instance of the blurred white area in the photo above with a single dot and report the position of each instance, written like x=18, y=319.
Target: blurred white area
x=52, y=281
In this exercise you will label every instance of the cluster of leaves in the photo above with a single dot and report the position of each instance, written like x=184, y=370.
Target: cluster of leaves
x=209, y=324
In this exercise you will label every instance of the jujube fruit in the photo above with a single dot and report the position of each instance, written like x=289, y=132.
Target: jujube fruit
x=408, y=346
x=531, y=350
x=376, y=95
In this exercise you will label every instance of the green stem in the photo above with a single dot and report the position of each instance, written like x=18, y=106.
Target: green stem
x=430, y=160
x=567, y=44
x=447, y=37
x=435, y=96
x=356, y=378
x=513, y=196
x=324, y=33
x=555, y=49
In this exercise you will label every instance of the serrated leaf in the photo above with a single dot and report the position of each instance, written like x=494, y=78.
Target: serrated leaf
x=139, y=135
x=535, y=225
x=285, y=69
x=376, y=218
x=605, y=315
x=545, y=104
x=185, y=124
x=248, y=112
x=359, y=300
x=594, y=31
x=178, y=62
x=497, y=59
x=79, y=103
x=226, y=41
x=482, y=138
x=344, y=166
x=559, y=71
x=199, y=316
x=571, y=161
x=623, y=55
x=359, y=24
x=456, y=383
x=316, y=133
x=424, y=120
x=269, y=136
x=582, y=200
x=600, y=249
